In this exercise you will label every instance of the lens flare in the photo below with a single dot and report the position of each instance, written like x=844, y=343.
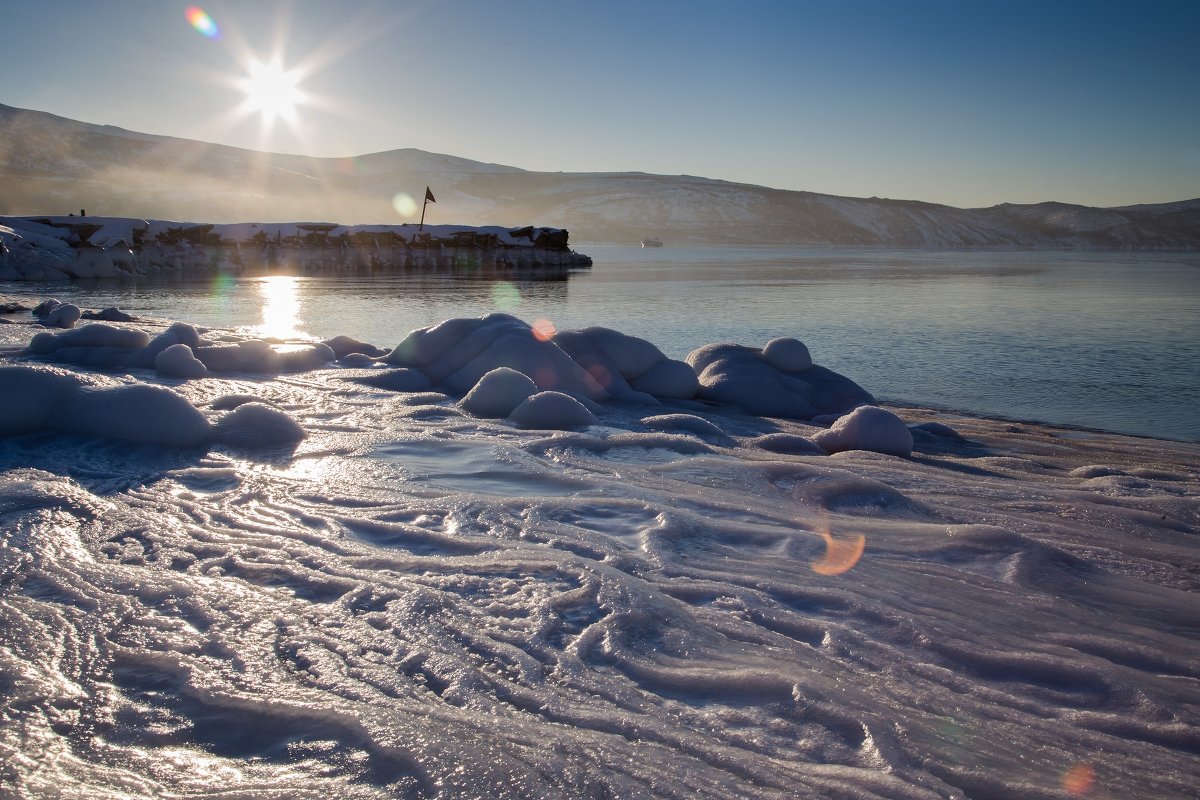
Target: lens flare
x=543, y=330
x=199, y=19
x=404, y=205
x=840, y=557
x=505, y=296
x=1079, y=779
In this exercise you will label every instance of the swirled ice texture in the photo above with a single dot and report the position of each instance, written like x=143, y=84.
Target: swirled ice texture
x=674, y=601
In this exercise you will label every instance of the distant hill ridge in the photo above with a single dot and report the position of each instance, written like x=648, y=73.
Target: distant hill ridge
x=53, y=165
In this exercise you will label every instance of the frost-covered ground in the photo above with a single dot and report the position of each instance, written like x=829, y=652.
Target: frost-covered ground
x=672, y=601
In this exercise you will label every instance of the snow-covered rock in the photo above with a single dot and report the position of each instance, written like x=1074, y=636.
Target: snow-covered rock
x=252, y=426
x=396, y=380
x=64, y=315
x=456, y=353
x=745, y=377
x=552, y=411
x=626, y=366
x=868, y=428
x=498, y=393
x=178, y=361
x=789, y=355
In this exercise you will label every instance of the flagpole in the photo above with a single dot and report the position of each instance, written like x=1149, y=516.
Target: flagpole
x=425, y=205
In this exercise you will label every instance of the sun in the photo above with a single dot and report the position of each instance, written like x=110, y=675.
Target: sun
x=271, y=90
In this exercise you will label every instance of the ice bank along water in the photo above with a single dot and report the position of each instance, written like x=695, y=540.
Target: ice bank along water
x=501, y=561
x=60, y=248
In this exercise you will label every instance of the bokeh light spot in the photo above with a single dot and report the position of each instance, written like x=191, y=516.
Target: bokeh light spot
x=199, y=19
x=545, y=378
x=1079, y=779
x=404, y=205
x=505, y=296
x=543, y=330
x=840, y=556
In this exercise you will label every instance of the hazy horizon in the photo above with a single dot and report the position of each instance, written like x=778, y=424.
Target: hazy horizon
x=967, y=106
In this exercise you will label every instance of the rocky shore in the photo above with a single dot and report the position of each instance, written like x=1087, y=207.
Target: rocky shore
x=44, y=248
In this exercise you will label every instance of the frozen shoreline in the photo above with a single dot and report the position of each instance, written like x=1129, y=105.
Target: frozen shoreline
x=415, y=601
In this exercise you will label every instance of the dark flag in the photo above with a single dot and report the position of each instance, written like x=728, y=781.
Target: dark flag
x=428, y=199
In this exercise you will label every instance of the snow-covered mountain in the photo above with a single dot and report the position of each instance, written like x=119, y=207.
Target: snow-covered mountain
x=53, y=165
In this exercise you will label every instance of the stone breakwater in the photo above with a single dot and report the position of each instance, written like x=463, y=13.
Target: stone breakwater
x=64, y=248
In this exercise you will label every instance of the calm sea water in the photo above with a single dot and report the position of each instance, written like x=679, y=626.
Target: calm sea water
x=1101, y=340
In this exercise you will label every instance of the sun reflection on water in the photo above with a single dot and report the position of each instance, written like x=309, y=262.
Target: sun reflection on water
x=280, y=308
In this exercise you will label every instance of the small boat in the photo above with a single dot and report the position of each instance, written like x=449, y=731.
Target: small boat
x=652, y=243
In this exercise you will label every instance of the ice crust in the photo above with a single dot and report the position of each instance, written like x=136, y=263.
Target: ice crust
x=418, y=599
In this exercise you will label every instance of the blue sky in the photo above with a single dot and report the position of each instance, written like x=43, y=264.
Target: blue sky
x=968, y=103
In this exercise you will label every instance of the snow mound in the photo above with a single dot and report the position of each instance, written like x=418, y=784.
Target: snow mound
x=110, y=314
x=688, y=423
x=29, y=397
x=135, y=413
x=397, y=380
x=456, y=353
x=34, y=399
x=178, y=361
x=93, y=336
x=743, y=376
x=552, y=411
x=498, y=393
x=628, y=367
x=62, y=316
x=789, y=355
x=788, y=444
x=110, y=347
x=868, y=428
x=55, y=314
x=257, y=425
x=343, y=346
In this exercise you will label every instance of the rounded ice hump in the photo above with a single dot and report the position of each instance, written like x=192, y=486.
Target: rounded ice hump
x=628, y=367
x=135, y=413
x=789, y=355
x=552, y=411
x=177, y=361
x=29, y=396
x=255, y=425
x=498, y=393
x=868, y=428
x=456, y=353
x=778, y=381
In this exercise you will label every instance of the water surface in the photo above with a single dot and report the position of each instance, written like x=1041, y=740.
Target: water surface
x=1101, y=340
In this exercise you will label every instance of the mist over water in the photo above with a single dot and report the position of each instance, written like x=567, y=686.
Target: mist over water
x=1102, y=340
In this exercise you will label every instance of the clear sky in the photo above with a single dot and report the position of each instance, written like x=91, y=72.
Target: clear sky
x=965, y=102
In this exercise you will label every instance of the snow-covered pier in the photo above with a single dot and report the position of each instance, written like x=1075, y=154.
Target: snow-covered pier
x=38, y=248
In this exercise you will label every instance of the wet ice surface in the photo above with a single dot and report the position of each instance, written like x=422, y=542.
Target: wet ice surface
x=418, y=603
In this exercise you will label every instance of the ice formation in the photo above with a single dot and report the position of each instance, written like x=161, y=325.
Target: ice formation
x=546, y=410
x=498, y=393
x=422, y=598
x=111, y=347
x=867, y=428
x=773, y=387
x=33, y=399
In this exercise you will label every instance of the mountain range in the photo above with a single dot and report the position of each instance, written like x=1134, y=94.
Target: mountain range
x=53, y=165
